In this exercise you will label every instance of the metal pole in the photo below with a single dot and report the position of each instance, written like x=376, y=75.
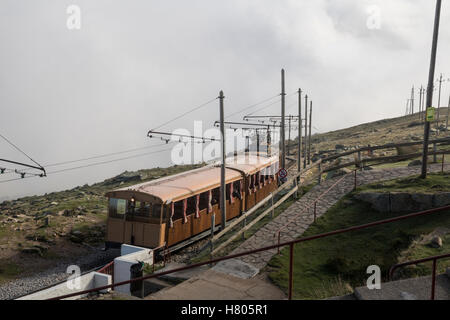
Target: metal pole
x=439, y=102
x=420, y=102
x=430, y=87
x=257, y=142
x=299, y=160
x=291, y=270
x=223, y=208
x=283, y=140
x=448, y=112
x=412, y=100
x=289, y=137
x=309, y=139
x=433, y=284
x=269, y=142
x=306, y=130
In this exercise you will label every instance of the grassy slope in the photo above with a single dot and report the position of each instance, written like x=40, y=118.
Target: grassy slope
x=322, y=267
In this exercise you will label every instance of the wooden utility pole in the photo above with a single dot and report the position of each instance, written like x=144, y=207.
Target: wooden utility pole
x=223, y=197
x=299, y=156
x=430, y=88
x=306, y=130
x=283, y=139
x=309, y=139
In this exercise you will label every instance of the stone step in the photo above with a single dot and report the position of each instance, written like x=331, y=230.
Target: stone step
x=408, y=289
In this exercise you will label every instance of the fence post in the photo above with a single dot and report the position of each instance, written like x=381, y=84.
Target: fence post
x=443, y=161
x=320, y=174
x=272, y=213
x=433, y=285
x=291, y=270
x=279, y=236
x=355, y=182
x=434, y=150
x=315, y=209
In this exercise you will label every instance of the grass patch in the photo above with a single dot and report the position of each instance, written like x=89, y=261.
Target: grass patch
x=435, y=182
x=318, y=263
x=8, y=271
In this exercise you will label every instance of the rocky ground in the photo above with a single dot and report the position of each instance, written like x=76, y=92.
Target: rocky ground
x=92, y=260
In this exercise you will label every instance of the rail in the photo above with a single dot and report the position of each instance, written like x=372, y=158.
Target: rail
x=291, y=245
x=414, y=262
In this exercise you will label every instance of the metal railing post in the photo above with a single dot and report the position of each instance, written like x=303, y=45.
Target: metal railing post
x=315, y=210
x=279, y=236
x=433, y=284
x=272, y=213
x=291, y=270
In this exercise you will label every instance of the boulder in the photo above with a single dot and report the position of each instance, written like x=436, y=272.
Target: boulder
x=415, y=163
x=436, y=242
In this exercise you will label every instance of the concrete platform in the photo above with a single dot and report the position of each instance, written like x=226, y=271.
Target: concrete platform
x=180, y=275
x=409, y=289
x=237, y=268
x=213, y=285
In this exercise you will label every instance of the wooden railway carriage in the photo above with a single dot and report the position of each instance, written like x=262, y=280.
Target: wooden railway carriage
x=173, y=209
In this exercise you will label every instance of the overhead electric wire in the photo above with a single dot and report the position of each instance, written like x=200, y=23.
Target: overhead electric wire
x=186, y=113
x=241, y=110
x=103, y=155
x=20, y=150
x=29, y=175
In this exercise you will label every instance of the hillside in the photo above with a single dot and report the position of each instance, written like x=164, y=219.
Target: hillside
x=36, y=232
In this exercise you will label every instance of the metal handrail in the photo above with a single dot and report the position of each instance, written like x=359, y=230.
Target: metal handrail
x=289, y=243
x=433, y=279
x=278, y=232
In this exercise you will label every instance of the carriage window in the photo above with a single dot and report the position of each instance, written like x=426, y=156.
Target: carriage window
x=156, y=211
x=190, y=206
x=203, y=201
x=215, y=196
x=178, y=210
x=237, y=189
x=117, y=207
x=227, y=191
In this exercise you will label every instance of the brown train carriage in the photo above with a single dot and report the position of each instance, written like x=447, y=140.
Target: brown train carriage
x=174, y=209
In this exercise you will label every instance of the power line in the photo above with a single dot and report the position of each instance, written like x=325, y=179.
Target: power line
x=103, y=155
x=29, y=175
x=18, y=149
x=186, y=113
x=251, y=106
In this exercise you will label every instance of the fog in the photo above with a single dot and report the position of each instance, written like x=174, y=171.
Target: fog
x=68, y=94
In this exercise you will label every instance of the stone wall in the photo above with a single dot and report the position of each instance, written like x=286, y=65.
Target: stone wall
x=403, y=201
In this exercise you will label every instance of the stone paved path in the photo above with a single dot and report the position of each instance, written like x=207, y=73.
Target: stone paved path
x=295, y=222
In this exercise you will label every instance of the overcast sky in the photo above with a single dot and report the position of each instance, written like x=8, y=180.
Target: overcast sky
x=70, y=94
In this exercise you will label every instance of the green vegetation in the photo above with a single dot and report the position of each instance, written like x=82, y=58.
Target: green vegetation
x=8, y=271
x=328, y=266
x=435, y=182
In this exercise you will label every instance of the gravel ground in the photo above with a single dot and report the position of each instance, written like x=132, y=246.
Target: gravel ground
x=16, y=288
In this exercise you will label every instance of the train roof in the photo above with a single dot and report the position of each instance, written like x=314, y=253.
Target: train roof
x=192, y=182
